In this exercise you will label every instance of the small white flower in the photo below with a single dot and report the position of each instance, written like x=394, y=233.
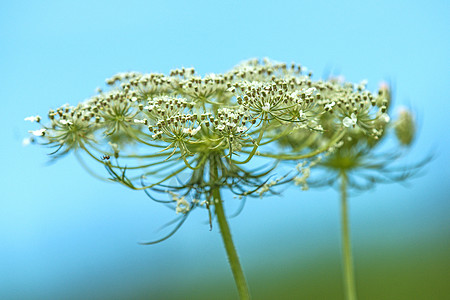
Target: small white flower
x=220, y=127
x=230, y=124
x=329, y=106
x=33, y=119
x=347, y=122
x=65, y=122
x=301, y=114
x=266, y=107
x=211, y=76
x=195, y=130
x=187, y=130
x=133, y=99
x=241, y=128
x=295, y=94
x=309, y=91
x=190, y=131
x=385, y=117
x=39, y=132
x=149, y=107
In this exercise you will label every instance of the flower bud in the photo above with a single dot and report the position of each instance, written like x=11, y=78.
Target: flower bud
x=405, y=127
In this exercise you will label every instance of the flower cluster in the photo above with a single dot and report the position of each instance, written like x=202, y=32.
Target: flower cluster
x=148, y=129
x=151, y=130
x=358, y=155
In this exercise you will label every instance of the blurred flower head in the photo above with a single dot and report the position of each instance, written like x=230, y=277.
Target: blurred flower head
x=361, y=154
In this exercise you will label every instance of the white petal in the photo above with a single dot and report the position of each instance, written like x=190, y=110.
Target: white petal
x=65, y=122
x=347, y=122
x=301, y=114
x=385, y=117
x=266, y=107
x=194, y=131
x=295, y=94
x=33, y=118
x=39, y=132
x=310, y=91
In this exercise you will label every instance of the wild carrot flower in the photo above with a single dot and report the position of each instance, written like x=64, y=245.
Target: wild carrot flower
x=148, y=129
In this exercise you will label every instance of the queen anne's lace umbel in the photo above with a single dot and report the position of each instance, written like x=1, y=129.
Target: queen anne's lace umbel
x=149, y=128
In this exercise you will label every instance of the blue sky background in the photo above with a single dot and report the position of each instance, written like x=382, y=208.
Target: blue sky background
x=61, y=230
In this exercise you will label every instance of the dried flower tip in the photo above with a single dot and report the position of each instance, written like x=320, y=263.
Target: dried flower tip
x=182, y=205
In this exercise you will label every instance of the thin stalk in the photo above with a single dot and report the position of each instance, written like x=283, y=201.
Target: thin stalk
x=233, y=258
x=349, y=277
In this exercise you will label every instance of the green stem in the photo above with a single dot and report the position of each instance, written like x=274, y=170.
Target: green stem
x=233, y=258
x=349, y=278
